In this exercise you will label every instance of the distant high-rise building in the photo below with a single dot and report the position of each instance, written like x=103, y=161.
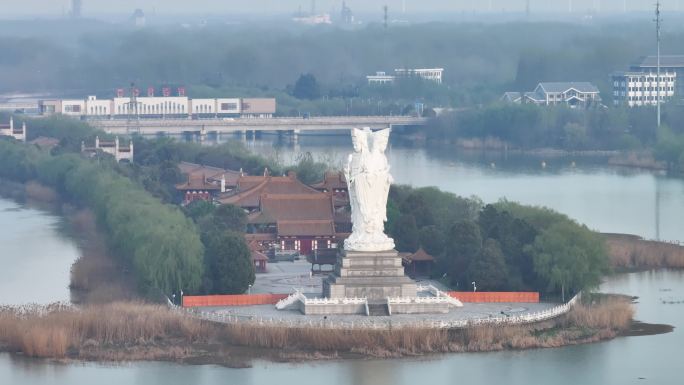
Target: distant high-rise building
x=76, y=6
x=346, y=14
x=138, y=18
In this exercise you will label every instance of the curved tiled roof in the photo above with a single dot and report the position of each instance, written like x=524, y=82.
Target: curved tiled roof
x=311, y=228
x=418, y=256
x=279, y=207
x=331, y=181
x=251, y=188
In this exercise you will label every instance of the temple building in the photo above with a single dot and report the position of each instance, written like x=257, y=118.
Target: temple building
x=287, y=215
x=249, y=189
x=18, y=133
x=112, y=148
x=418, y=264
x=334, y=182
x=205, y=182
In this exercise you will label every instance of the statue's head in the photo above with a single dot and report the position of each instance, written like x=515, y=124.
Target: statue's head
x=360, y=139
x=380, y=139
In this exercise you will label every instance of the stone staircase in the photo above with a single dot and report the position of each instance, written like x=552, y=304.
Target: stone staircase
x=378, y=309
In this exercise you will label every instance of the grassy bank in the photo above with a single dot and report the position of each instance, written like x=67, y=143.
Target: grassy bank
x=629, y=252
x=127, y=331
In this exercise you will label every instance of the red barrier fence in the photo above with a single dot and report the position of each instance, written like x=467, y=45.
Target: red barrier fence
x=232, y=300
x=495, y=296
x=272, y=299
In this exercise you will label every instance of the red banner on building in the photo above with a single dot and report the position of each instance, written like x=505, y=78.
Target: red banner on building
x=181, y=91
x=119, y=92
x=150, y=91
x=166, y=91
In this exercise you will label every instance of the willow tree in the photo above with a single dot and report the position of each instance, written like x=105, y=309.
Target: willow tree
x=569, y=257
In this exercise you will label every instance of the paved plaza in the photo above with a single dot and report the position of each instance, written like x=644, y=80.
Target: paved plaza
x=285, y=277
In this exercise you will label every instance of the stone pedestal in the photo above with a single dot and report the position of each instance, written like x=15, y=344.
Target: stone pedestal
x=372, y=275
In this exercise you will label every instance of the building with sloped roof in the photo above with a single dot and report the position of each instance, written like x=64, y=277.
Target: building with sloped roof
x=301, y=222
x=205, y=182
x=511, y=97
x=284, y=213
x=249, y=189
x=334, y=182
x=572, y=94
x=111, y=147
x=18, y=133
x=419, y=263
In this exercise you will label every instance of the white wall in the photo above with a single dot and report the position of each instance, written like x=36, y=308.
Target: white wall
x=203, y=106
x=73, y=107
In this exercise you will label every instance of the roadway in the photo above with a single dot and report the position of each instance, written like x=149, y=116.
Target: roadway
x=227, y=125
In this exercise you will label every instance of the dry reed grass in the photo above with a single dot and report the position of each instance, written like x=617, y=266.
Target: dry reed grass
x=629, y=252
x=52, y=333
x=132, y=331
x=41, y=193
x=602, y=319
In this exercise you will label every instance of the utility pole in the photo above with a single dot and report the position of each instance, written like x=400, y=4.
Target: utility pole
x=385, y=17
x=658, y=20
x=133, y=108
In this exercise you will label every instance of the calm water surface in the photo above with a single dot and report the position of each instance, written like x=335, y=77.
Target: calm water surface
x=35, y=255
x=608, y=199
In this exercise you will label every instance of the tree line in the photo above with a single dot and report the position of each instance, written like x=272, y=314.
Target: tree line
x=500, y=247
x=529, y=126
x=160, y=245
x=481, y=61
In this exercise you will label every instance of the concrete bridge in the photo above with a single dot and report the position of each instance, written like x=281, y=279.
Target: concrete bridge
x=289, y=125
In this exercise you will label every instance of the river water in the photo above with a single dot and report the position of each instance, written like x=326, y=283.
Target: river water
x=36, y=255
x=607, y=199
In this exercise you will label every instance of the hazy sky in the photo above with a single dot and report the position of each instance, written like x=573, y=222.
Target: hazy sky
x=58, y=7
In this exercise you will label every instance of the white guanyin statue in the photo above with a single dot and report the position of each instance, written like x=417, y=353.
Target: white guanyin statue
x=368, y=180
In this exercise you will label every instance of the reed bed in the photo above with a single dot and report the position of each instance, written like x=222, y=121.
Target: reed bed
x=56, y=331
x=130, y=331
x=41, y=193
x=632, y=252
x=605, y=317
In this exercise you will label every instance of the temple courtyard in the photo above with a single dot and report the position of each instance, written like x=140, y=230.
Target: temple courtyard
x=285, y=277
